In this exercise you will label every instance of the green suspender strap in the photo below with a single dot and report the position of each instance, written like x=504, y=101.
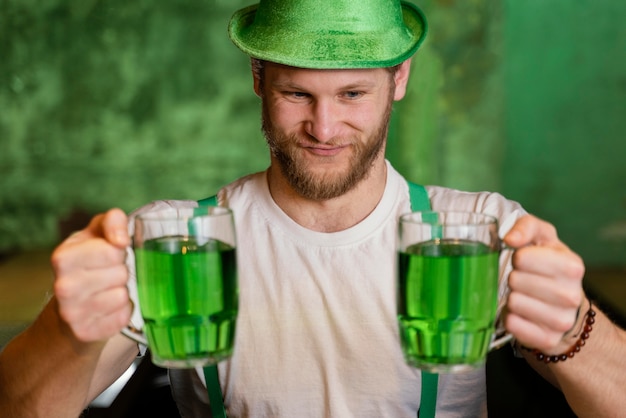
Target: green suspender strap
x=419, y=201
x=428, y=402
x=216, y=399
x=209, y=201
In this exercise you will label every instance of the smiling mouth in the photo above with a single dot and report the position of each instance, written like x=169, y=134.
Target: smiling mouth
x=323, y=148
x=325, y=151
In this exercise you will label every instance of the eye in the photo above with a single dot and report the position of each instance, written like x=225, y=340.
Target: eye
x=296, y=95
x=353, y=94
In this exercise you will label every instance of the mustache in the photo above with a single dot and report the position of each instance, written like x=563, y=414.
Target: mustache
x=304, y=140
x=275, y=138
x=307, y=141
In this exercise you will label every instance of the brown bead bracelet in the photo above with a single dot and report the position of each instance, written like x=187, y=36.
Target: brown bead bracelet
x=584, y=335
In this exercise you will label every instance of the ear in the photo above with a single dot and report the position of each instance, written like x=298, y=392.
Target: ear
x=401, y=77
x=257, y=84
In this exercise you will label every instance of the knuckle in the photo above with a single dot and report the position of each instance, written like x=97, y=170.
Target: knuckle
x=519, y=257
x=547, y=340
x=568, y=298
x=122, y=319
x=551, y=340
x=63, y=289
x=119, y=275
x=57, y=260
x=119, y=297
x=70, y=315
x=514, y=302
x=562, y=324
x=576, y=268
x=573, y=299
x=113, y=255
x=515, y=280
x=508, y=323
x=550, y=229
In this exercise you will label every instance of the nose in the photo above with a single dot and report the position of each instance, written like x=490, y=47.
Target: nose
x=323, y=122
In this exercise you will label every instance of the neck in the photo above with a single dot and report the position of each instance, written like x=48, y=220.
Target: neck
x=334, y=214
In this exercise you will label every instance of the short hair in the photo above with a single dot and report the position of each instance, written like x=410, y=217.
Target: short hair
x=258, y=67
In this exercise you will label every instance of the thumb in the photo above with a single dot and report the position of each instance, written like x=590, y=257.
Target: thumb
x=112, y=226
x=530, y=230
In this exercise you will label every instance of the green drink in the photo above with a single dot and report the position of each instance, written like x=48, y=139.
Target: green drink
x=189, y=299
x=447, y=303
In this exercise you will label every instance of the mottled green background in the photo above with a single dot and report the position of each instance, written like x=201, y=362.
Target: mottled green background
x=116, y=103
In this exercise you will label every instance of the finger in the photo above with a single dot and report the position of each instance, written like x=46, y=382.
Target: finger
x=112, y=226
x=554, y=292
x=530, y=230
x=72, y=258
x=106, y=324
x=80, y=287
x=530, y=334
x=115, y=227
x=552, y=319
x=97, y=305
x=102, y=314
x=549, y=261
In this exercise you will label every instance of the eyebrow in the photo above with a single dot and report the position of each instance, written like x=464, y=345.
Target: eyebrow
x=357, y=85
x=285, y=85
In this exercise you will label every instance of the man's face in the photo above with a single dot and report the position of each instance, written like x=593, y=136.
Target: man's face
x=325, y=128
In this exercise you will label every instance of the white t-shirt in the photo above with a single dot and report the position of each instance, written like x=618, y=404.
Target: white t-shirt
x=317, y=334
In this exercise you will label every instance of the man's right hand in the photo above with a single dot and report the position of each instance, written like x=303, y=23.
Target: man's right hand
x=91, y=275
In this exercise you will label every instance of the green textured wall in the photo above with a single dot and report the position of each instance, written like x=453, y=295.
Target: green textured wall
x=566, y=120
x=118, y=103
x=527, y=98
x=450, y=128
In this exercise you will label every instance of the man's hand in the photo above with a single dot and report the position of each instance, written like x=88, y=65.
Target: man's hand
x=546, y=287
x=91, y=275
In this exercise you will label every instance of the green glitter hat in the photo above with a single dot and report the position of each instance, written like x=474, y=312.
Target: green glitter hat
x=329, y=33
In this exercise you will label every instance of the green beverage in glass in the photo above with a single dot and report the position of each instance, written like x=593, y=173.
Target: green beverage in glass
x=185, y=260
x=447, y=289
x=188, y=298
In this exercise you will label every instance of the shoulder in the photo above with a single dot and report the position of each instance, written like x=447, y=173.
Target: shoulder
x=445, y=198
x=225, y=193
x=242, y=190
x=158, y=205
x=491, y=203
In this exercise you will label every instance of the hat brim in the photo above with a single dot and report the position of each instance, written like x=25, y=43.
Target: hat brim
x=329, y=50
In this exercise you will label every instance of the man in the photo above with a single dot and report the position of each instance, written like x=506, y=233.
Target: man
x=316, y=333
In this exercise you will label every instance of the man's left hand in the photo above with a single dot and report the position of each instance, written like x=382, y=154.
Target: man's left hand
x=546, y=287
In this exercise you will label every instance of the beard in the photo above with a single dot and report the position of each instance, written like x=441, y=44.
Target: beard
x=333, y=182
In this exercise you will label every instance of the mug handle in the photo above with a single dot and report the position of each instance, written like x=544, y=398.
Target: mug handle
x=498, y=342
x=134, y=334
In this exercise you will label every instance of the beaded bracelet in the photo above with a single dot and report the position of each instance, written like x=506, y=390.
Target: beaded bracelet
x=584, y=335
